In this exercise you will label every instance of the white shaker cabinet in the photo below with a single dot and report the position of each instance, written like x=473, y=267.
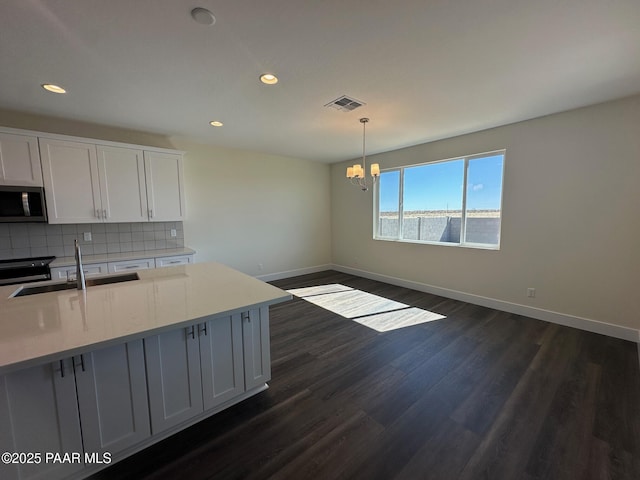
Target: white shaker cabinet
x=221, y=359
x=112, y=396
x=173, y=370
x=123, y=191
x=85, y=183
x=257, y=354
x=89, y=183
x=165, y=186
x=39, y=413
x=19, y=160
x=71, y=181
x=200, y=367
x=94, y=403
x=114, y=400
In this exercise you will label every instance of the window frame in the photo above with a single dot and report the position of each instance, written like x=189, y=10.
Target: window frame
x=463, y=219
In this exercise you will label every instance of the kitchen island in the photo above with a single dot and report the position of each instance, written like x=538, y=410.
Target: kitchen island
x=102, y=373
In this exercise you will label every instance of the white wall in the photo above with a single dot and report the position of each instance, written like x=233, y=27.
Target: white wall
x=246, y=208
x=570, y=226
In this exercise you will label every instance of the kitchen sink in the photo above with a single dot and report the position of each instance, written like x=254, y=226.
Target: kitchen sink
x=89, y=282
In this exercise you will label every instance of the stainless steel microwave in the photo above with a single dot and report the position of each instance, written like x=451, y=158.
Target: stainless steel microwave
x=22, y=204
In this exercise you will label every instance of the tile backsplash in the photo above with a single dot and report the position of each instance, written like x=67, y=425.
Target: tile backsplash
x=21, y=240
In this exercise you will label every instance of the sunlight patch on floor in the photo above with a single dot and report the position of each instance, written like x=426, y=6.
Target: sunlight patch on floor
x=373, y=311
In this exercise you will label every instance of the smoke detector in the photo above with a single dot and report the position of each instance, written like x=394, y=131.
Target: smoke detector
x=203, y=16
x=345, y=104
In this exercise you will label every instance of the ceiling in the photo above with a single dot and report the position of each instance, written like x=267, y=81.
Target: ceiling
x=426, y=69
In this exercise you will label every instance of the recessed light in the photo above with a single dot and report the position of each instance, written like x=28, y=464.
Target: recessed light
x=215, y=123
x=53, y=88
x=203, y=16
x=268, y=78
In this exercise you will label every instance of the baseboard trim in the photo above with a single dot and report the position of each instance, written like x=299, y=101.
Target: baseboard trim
x=595, y=326
x=269, y=277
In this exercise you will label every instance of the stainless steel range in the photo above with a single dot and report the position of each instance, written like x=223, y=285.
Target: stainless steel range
x=24, y=270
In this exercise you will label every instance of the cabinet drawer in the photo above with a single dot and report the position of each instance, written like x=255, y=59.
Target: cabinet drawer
x=171, y=261
x=90, y=270
x=131, y=265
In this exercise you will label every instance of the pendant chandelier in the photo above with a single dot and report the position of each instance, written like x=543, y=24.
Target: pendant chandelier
x=356, y=174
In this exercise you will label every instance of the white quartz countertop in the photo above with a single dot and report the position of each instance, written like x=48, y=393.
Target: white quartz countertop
x=35, y=329
x=117, y=257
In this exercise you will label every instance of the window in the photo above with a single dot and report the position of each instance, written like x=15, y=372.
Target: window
x=452, y=202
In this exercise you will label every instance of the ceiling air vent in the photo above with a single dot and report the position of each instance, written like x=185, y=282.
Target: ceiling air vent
x=345, y=104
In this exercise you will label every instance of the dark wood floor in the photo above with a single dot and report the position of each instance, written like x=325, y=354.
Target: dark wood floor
x=481, y=394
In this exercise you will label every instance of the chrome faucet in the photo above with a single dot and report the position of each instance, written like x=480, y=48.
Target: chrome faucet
x=79, y=268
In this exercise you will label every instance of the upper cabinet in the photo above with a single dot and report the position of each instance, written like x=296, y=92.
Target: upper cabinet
x=89, y=183
x=71, y=182
x=19, y=160
x=122, y=184
x=165, y=186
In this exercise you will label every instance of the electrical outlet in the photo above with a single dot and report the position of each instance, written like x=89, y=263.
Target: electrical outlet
x=87, y=236
x=531, y=292
x=260, y=266
x=174, y=233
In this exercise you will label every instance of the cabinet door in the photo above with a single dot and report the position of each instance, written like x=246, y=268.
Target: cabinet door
x=122, y=184
x=221, y=359
x=39, y=413
x=112, y=396
x=71, y=181
x=165, y=186
x=19, y=160
x=257, y=347
x=173, y=370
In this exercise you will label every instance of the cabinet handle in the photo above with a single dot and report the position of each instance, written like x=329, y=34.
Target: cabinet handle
x=174, y=261
x=25, y=204
x=202, y=328
x=82, y=362
x=131, y=266
x=151, y=213
x=192, y=332
x=246, y=316
x=104, y=214
x=98, y=213
x=62, y=368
